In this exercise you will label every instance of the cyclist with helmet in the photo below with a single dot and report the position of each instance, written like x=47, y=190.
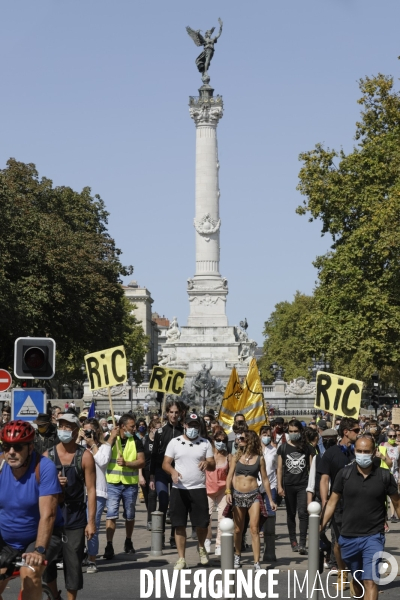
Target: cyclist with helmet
x=30, y=521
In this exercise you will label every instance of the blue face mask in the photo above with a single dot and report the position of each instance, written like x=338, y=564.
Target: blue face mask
x=364, y=460
x=266, y=439
x=192, y=433
x=220, y=446
x=64, y=436
x=128, y=434
x=142, y=428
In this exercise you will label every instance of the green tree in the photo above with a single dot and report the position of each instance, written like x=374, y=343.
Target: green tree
x=357, y=197
x=60, y=272
x=287, y=341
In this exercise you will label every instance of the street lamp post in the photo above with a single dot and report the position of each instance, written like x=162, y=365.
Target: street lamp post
x=130, y=382
x=318, y=365
x=278, y=371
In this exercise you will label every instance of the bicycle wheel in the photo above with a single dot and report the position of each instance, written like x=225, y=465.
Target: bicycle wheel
x=47, y=593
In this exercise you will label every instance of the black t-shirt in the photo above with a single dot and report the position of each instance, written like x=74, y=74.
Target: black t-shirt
x=138, y=443
x=148, y=448
x=334, y=459
x=364, y=509
x=296, y=464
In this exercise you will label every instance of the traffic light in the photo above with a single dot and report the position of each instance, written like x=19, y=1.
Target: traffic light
x=34, y=358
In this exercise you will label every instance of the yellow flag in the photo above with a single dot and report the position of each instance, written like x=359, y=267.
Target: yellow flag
x=251, y=403
x=230, y=400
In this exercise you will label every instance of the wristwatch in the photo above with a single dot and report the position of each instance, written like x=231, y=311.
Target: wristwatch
x=40, y=550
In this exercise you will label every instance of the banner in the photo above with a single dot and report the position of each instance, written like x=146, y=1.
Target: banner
x=338, y=395
x=395, y=416
x=232, y=394
x=169, y=381
x=251, y=403
x=106, y=368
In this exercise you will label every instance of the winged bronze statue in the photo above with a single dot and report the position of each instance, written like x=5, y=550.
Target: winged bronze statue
x=204, y=59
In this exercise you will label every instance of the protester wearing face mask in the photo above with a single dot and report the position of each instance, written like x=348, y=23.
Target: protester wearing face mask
x=363, y=486
x=45, y=434
x=149, y=494
x=278, y=435
x=127, y=456
x=294, y=462
x=76, y=472
x=104, y=428
x=392, y=453
x=141, y=429
x=192, y=456
x=216, y=484
x=271, y=465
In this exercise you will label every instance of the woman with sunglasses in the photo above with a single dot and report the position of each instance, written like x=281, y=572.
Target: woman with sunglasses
x=101, y=453
x=216, y=484
x=391, y=451
x=244, y=496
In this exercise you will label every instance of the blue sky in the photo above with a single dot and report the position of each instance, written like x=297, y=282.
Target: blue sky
x=95, y=93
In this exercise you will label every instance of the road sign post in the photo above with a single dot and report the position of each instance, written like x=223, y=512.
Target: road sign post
x=27, y=403
x=5, y=380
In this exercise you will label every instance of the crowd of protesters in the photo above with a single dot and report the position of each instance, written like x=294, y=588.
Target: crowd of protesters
x=187, y=466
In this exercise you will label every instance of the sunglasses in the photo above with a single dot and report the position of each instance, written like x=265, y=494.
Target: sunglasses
x=242, y=439
x=391, y=437
x=356, y=430
x=17, y=447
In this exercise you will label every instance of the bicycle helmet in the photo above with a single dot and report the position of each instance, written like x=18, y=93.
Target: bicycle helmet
x=17, y=431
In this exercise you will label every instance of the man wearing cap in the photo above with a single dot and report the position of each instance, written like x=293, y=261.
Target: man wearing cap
x=76, y=470
x=192, y=456
x=45, y=434
x=278, y=434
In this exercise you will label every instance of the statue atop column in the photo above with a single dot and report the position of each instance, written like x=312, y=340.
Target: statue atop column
x=203, y=61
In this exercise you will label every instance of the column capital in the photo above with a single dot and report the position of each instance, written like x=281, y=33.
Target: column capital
x=206, y=111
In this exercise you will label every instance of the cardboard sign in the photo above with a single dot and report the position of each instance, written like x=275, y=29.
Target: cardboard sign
x=395, y=416
x=106, y=368
x=169, y=381
x=338, y=395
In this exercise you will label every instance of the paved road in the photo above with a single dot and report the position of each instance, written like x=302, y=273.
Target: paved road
x=120, y=578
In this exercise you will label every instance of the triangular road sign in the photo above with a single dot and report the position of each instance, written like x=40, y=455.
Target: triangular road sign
x=28, y=409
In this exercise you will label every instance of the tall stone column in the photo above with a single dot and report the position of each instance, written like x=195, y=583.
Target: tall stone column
x=207, y=289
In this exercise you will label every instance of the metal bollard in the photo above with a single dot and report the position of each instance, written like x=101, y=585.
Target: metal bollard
x=157, y=533
x=314, y=510
x=227, y=527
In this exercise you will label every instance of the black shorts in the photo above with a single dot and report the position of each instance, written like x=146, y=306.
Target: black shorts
x=52, y=551
x=73, y=551
x=189, y=502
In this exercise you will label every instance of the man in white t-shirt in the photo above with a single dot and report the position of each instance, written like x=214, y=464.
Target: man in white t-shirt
x=187, y=458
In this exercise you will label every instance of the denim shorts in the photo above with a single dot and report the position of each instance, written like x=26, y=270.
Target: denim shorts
x=128, y=494
x=358, y=553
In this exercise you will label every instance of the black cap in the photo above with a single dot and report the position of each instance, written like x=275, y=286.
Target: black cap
x=322, y=424
x=192, y=418
x=279, y=421
x=43, y=419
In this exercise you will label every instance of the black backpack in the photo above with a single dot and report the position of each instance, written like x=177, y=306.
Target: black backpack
x=77, y=461
x=347, y=470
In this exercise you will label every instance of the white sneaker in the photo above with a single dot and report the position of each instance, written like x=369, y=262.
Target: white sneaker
x=257, y=566
x=180, y=564
x=207, y=545
x=217, y=551
x=236, y=561
x=204, y=556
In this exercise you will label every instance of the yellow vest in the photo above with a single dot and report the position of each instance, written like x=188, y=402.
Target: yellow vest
x=118, y=474
x=383, y=450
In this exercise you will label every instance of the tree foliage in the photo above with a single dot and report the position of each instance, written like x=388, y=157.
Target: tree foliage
x=287, y=341
x=356, y=317
x=60, y=272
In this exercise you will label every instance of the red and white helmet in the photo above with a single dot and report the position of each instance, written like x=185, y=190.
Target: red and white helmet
x=17, y=431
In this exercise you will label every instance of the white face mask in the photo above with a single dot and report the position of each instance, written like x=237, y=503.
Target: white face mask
x=110, y=426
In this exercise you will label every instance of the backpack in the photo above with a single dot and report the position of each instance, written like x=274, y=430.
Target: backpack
x=77, y=460
x=384, y=472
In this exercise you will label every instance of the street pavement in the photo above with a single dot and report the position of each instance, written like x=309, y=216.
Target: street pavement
x=120, y=578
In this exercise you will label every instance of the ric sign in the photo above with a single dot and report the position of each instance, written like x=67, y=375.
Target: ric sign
x=167, y=380
x=338, y=395
x=106, y=368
